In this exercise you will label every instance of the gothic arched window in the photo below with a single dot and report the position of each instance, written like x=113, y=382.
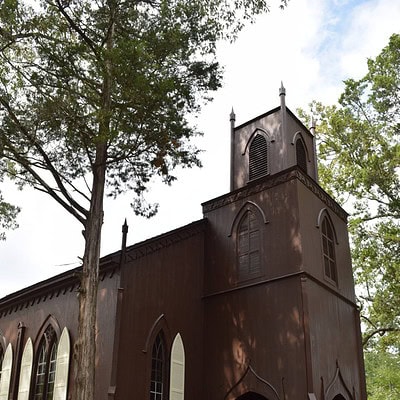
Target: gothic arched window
x=248, y=247
x=158, y=369
x=177, y=370
x=258, y=157
x=328, y=249
x=301, y=156
x=6, y=367
x=45, y=368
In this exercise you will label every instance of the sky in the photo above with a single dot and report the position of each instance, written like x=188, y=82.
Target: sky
x=312, y=46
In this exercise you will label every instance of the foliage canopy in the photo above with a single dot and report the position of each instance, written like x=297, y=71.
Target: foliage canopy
x=359, y=150
x=74, y=74
x=383, y=375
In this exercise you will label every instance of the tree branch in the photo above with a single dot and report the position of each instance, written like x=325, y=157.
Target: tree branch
x=76, y=28
x=380, y=331
x=46, y=188
x=46, y=159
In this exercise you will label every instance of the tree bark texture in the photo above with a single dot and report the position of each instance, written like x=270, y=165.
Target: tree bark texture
x=85, y=347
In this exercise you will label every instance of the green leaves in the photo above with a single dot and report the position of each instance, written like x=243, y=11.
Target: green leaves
x=359, y=146
x=383, y=375
x=8, y=214
x=359, y=152
x=75, y=75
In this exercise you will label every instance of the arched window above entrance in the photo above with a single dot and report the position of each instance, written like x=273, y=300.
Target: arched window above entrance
x=248, y=246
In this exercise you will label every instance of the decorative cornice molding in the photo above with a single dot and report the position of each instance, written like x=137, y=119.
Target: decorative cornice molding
x=56, y=286
x=268, y=182
x=157, y=243
x=321, y=194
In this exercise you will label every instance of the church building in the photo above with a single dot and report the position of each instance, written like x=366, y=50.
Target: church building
x=255, y=301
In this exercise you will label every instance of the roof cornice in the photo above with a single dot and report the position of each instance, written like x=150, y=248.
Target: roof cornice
x=270, y=181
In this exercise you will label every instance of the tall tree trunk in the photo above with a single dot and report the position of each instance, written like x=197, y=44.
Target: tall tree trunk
x=85, y=347
x=86, y=344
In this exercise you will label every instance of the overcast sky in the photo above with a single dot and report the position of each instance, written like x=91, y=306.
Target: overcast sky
x=312, y=47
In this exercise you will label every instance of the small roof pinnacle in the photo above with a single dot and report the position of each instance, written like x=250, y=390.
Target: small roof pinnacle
x=282, y=90
x=232, y=115
x=125, y=227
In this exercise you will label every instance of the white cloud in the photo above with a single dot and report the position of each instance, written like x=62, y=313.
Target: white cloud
x=372, y=23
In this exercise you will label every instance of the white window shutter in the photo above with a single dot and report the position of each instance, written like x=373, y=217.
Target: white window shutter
x=62, y=367
x=6, y=373
x=26, y=371
x=177, y=376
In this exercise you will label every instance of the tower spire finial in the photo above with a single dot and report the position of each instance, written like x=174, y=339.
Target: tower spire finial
x=282, y=95
x=232, y=119
x=232, y=116
x=282, y=90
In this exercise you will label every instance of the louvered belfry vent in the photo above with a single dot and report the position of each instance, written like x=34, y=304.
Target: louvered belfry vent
x=258, y=157
x=301, y=155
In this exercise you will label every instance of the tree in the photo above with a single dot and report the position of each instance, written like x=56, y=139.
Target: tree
x=94, y=97
x=8, y=214
x=383, y=372
x=359, y=150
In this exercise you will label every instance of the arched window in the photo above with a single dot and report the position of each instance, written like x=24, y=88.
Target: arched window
x=158, y=369
x=25, y=371
x=258, y=157
x=301, y=156
x=248, y=246
x=6, y=367
x=177, y=375
x=45, y=369
x=328, y=249
x=62, y=366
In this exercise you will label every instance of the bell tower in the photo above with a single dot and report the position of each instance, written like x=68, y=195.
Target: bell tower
x=280, y=317
x=270, y=143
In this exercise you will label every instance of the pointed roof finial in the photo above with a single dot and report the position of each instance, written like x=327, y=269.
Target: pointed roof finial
x=124, y=234
x=282, y=90
x=125, y=227
x=123, y=244
x=232, y=116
